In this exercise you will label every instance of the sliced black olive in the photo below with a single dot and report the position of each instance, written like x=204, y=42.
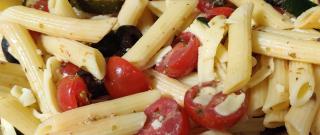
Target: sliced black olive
x=98, y=6
x=109, y=45
x=276, y=3
x=275, y=131
x=7, y=55
x=95, y=86
x=128, y=35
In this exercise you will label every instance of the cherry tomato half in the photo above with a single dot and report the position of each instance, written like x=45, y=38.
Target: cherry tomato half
x=72, y=93
x=123, y=79
x=165, y=117
x=206, y=116
x=69, y=69
x=182, y=59
x=41, y=5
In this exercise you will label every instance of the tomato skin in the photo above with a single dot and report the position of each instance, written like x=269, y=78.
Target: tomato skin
x=182, y=59
x=123, y=79
x=41, y=5
x=69, y=69
x=226, y=11
x=174, y=122
x=72, y=93
x=206, y=115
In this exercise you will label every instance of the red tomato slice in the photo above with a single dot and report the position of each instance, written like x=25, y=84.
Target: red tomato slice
x=204, y=5
x=182, y=59
x=206, y=116
x=69, y=69
x=226, y=11
x=72, y=93
x=41, y=5
x=170, y=118
x=124, y=79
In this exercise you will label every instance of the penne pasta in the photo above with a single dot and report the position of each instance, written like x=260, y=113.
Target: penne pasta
x=301, y=83
x=168, y=86
x=12, y=74
x=315, y=128
x=157, y=7
x=190, y=80
x=283, y=47
x=274, y=118
x=131, y=11
x=72, y=28
x=210, y=38
x=278, y=89
x=296, y=34
x=239, y=49
x=9, y=3
x=119, y=125
x=299, y=119
x=6, y=128
x=163, y=29
x=309, y=19
x=222, y=54
x=17, y=115
x=266, y=68
x=156, y=59
x=257, y=96
x=61, y=8
x=148, y=20
x=86, y=57
x=249, y=125
x=81, y=116
x=265, y=15
x=31, y=62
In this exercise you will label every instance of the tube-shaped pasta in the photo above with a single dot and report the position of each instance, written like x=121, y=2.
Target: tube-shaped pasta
x=210, y=38
x=315, y=128
x=77, y=29
x=309, y=19
x=159, y=33
x=17, y=115
x=31, y=61
x=131, y=11
x=266, y=68
x=6, y=128
x=301, y=82
x=157, y=7
x=278, y=89
x=84, y=56
x=61, y=8
x=299, y=119
x=83, y=115
x=118, y=125
x=239, y=49
x=274, y=118
x=265, y=15
x=275, y=45
x=190, y=80
x=297, y=34
x=249, y=125
x=257, y=97
x=147, y=21
x=12, y=74
x=222, y=54
x=215, y=132
x=169, y=86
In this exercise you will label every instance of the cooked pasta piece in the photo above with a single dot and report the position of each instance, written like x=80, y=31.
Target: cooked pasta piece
x=118, y=125
x=6, y=128
x=257, y=96
x=315, y=128
x=239, y=49
x=301, y=83
x=265, y=15
x=169, y=86
x=309, y=19
x=61, y=8
x=84, y=115
x=274, y=118
x=221, y=71
x=147, y=21
x=222, y=54
x=31, y=61
x=266, y=68
x=275, y=45
x=215, y=132
x=296, y=34
x=17, y=115
x=299, y=119
x=77, y=29
x=9, y=3
x=190, y=80
x=131, y=11
x=278, y=88
x=159, y=33
x=248, y=125
x=12, y=74
x=86, y=57
x=156, y=59
x=210, y=38
x=157, y=7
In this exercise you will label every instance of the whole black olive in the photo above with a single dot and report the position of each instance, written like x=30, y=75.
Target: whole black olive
x=98, y=6
x=109, y=45
x=7, y=55
x=128, y=35
x=95, y=86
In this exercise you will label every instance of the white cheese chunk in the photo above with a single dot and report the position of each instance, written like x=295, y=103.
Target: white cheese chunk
x=204, y=96
x=230, y=105
x=24, y=95
x=156, y=124
x=156, y=59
